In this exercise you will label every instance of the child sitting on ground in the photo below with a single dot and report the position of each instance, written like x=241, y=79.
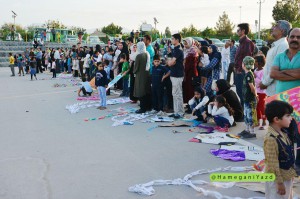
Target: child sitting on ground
x=85, y=88
x=198, y=103
x=260, y=62
x=279, y=151
x=221, y=112
x=101, y=83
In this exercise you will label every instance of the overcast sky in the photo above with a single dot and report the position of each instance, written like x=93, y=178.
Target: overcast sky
x=130, y=14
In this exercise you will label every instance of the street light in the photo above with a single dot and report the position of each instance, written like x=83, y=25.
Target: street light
x=259, y=20
x=14, y=16
x=240, y=14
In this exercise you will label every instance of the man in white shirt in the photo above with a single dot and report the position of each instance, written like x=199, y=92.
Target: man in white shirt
x=225, y=58
x=57, y=59
x=279, y=32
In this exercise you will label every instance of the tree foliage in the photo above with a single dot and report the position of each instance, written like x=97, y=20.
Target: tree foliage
x=208, y=32
x=287, y=10
x=224, y=27
x=54, y=24
x=167, y=32
x=190, y=31
x=112, y=29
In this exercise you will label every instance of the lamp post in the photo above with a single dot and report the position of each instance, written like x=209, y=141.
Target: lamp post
x=259, y=20
x=240, y=14
x=26, y=35
x=256, y=22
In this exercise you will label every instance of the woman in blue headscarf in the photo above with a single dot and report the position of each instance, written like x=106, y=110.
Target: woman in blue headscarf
x=213, y=69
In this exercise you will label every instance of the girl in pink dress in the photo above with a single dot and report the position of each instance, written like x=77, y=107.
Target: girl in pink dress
x=260, y=62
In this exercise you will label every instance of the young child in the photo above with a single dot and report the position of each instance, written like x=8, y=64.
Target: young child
x=32, y=64
x=159, y=74
x=198, y=104
x=12, y=64
x=86, y=65
x=75, y=63
x=250, y=98
x=53, y=67
x=221, y=112
x=279, y=151
x=20, y=64
x=204, y=61
x=107, y=70
x=260, y=62
x=69, y=64
x=101, y=83
x=125, y=73
x=85, y=88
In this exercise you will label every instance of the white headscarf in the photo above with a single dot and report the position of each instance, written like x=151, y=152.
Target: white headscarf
x=141, y=48
x=133, y=54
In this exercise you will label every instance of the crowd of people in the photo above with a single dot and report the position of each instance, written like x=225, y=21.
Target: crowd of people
x=198, y=75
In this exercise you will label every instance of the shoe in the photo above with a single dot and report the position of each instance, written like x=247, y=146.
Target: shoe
x=153, y=111
x=102, y=108
x=99, y=107
x=261, y=128
x=234, y=124
x=172, y=115
x=169, y=111
x=177, y=116
x=140, y=111
x=248, y=135
x=189, y=111
x=243, y=133
x=160, y=113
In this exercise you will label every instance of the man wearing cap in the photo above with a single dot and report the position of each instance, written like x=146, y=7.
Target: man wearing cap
x=250, y=98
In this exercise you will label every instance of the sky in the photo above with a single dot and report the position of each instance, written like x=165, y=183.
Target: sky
x=130, y=14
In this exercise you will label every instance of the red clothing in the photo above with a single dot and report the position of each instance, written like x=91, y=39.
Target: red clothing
x=246, y=48
x=190, y=71
x=260, y=108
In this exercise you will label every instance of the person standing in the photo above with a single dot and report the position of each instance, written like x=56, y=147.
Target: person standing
x=190, y=69
x=81, y=56
x=142, y=85
x=232, y=56
x=39, y=56
x=12, y=33
x=12, y=64
x=279, y=33
x=246, y=48
x=53, y=34
x=286, y=71
x=225, y=53
x=147, y=40
x=57, y=59
x=177, y=74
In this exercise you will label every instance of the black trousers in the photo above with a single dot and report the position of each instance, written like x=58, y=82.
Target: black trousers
x=84, y=91
x=131, y=91
x=81, y=68
x=87, y=72
x=168, y=102
x=39, y=66
x=157, y=97
x=230, y=71
x=145, y=102
x=293, y=134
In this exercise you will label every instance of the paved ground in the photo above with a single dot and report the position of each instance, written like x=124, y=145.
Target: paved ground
x=46, y=152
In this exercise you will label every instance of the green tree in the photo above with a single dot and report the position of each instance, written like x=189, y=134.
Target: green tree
x=77, y=29
x=6, y=29
x=112, y=29
x=190, y=31
x=287, y=10
x=224, y=26
x=168, y=32
x=208, y=32
x=54, y=24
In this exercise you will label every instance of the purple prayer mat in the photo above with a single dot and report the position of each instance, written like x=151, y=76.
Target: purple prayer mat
x=225, y=154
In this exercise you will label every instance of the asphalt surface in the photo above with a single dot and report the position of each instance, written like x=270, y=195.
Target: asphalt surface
x=53, y=154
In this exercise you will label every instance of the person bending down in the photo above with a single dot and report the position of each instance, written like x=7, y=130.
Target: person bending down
x=85, y=88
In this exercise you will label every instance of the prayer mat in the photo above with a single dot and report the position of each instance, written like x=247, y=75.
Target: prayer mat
x=215, y=138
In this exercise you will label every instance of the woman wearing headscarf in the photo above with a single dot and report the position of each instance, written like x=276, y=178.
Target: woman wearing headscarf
x=142, y=85
x=190, y=69
x=213, y=69
x=132, y=57
x=223, y=88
